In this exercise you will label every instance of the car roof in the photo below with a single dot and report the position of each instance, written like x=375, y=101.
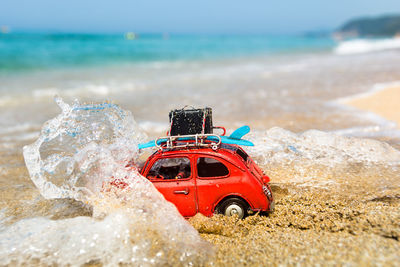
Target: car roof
x=225, y=151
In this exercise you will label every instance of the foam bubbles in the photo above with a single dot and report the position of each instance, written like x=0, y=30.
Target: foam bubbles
x=79, y=145
x=323, y=147
x=88, y=153
x=150, y=234
x=316, y=158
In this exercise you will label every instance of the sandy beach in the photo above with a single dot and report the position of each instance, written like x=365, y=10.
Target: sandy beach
x=384, y=102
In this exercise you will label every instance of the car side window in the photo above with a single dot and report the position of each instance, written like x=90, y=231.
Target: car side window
x=170, y=168
x=210, y=167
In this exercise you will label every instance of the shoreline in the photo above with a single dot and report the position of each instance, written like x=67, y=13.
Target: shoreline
x=382, y=100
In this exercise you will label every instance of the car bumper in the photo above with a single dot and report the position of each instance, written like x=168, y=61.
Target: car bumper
x=272, y=206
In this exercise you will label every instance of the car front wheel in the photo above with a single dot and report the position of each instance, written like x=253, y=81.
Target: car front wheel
x=234, y=206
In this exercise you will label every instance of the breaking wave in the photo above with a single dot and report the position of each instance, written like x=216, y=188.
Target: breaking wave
x=88, y=153
x=360, y=46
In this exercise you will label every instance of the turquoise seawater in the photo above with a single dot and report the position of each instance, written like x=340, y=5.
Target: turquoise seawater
x=29, y=51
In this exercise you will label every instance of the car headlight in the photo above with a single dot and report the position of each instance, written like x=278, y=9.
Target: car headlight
x=267, y=192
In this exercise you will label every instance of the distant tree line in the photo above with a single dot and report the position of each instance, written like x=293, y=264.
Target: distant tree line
x=383, y=26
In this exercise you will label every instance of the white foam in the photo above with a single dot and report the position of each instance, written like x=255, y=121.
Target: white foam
x=323, y=147
x=360, y=46
x=305, y=151
x=79, y=154
x=118, y=239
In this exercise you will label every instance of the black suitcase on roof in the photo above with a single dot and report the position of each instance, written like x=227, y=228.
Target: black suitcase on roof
x=191, y=121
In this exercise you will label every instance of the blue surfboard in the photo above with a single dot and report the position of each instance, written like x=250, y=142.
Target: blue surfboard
x=240, y=142
x=240, y=132
x=231, y=141
x=148, y=144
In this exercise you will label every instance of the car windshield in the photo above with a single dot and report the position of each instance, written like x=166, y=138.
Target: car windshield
x=170, y=168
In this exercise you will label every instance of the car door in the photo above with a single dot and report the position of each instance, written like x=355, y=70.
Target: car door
x=174, y=178
x=215, y=178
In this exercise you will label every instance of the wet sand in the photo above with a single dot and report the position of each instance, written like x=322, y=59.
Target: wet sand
x=385, y=103
x=312, y=226
x=308, y=230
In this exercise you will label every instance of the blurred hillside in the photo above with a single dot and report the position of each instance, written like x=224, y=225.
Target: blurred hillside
x=383, y=26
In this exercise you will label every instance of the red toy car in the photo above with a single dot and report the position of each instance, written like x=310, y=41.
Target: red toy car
x=208, y=177
x=203, y=172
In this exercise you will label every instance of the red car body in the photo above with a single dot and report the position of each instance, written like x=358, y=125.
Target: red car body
x=201, y=179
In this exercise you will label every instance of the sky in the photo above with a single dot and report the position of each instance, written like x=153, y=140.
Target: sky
x=187, y=16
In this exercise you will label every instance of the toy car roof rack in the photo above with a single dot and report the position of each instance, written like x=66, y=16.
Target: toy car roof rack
x=185, y=141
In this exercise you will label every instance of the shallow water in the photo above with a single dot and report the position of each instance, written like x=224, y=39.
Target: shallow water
x=337, y=187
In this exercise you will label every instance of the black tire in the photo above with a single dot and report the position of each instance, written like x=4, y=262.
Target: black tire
x=233, y=206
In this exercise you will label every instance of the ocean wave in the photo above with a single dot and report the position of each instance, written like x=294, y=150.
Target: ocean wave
x=360, y=46
x=87, y=152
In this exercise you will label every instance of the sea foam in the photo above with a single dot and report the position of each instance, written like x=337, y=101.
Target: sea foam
x=359, y=46
x=315, y=158
x=88, y=153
